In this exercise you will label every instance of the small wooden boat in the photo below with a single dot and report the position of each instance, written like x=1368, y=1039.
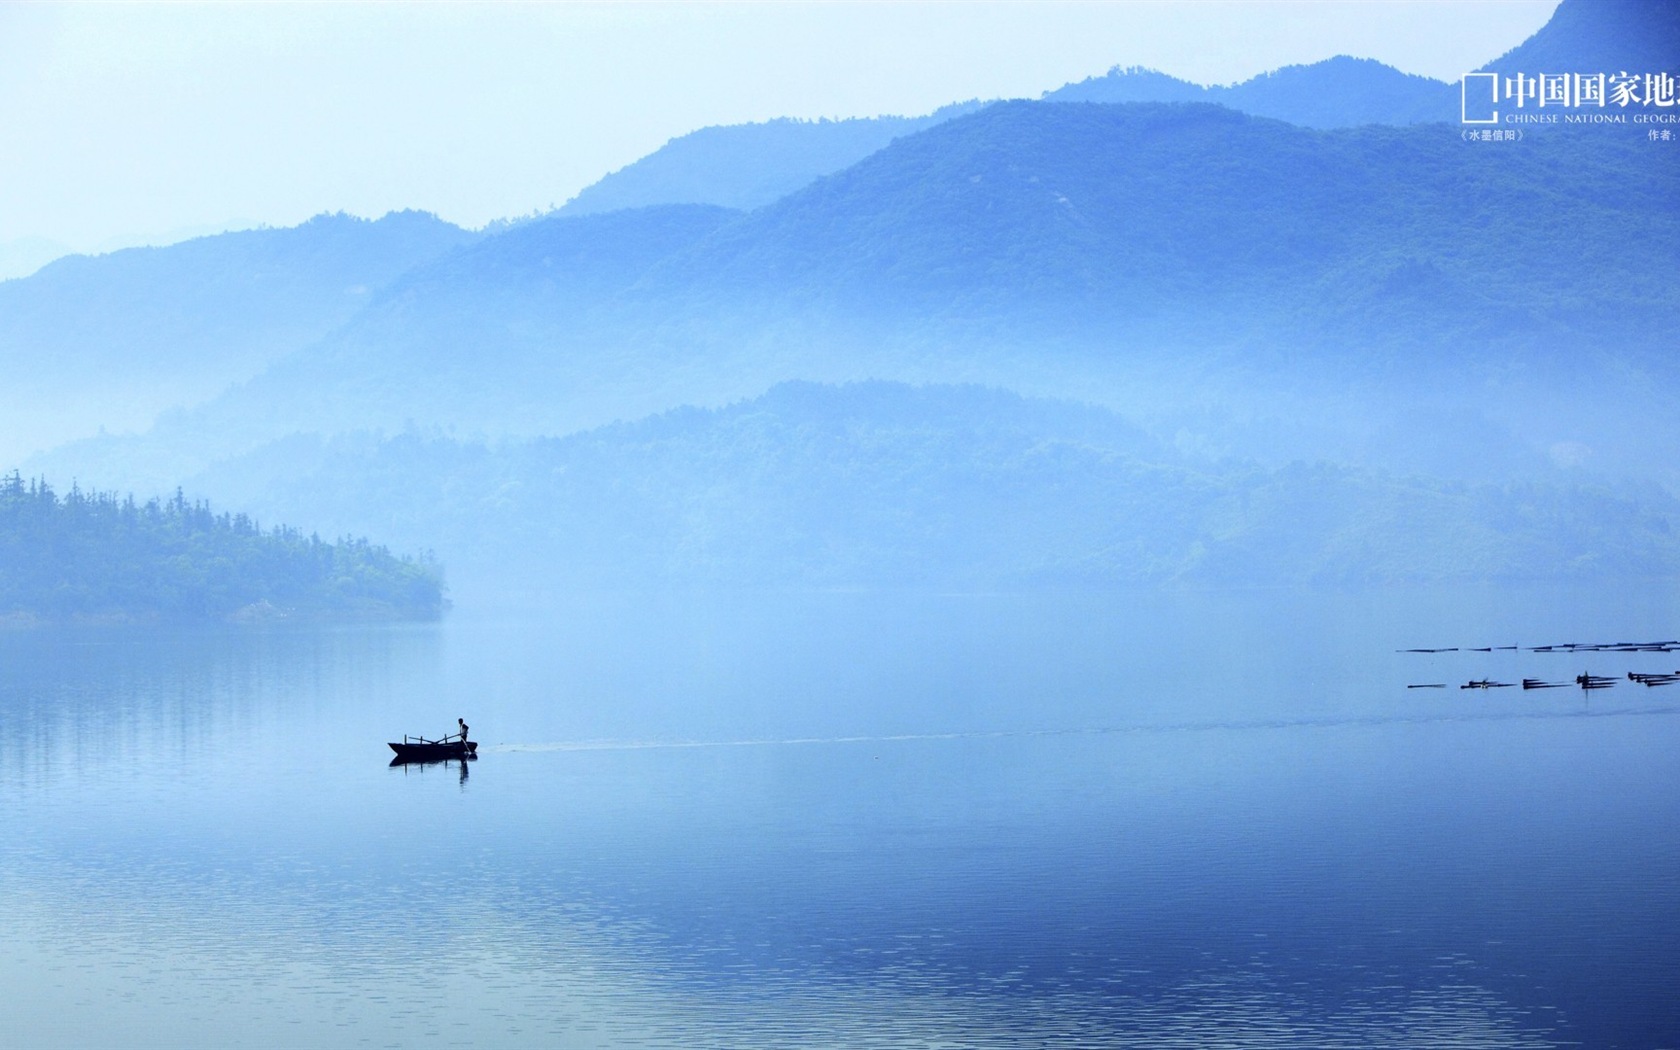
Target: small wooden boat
x=419, y=749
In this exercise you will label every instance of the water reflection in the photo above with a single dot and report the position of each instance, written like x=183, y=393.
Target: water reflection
x=843, y=821
x=94, y=702
x=419, y=764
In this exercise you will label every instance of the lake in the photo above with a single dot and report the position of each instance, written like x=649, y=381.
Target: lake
x=851, y=820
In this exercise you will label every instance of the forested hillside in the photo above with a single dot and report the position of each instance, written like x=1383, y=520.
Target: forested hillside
x=85, y=556
x=1098, y=213
x=1123, y=254
x=884, y=484
x=1600, y=36
x=750, y=165
x=746, y=166
x=1339, y=92
x=1471, y=342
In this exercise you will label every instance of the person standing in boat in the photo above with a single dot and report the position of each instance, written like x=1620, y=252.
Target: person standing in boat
x=463, y=724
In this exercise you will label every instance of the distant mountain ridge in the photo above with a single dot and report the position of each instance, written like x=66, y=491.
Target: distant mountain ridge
x=1338, y=92
x=883, y=484
x=747, y=166
x=1248, y=291
x=1052, y=248
x=114, y=339
x=1600, y=36
x=1067, y=215
x=744, y=166
x=24, y=256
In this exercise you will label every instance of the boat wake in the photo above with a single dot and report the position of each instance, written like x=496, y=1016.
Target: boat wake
x=1180, y=727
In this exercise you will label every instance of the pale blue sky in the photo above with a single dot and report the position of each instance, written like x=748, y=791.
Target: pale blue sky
x=126, y=122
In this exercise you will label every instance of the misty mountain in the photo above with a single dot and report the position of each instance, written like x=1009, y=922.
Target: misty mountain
x=1339, y=92
x=113, y=339
x=1121, y=254
x=1600, y=36
x=1121, y=211
x=24, y=256
x=884, y=484
x=537, y=307
x=744, y=166
x=1470, y=342
x=749, y=165
x=1194, y=226
x=566, y=262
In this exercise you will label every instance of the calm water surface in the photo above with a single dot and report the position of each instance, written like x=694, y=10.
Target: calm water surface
x=850, y=820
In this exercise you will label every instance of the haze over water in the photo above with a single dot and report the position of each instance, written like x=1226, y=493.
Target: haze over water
x=920, y=512
x=850, y=819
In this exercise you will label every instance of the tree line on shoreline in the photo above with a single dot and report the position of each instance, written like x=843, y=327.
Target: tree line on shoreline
x=95, y=556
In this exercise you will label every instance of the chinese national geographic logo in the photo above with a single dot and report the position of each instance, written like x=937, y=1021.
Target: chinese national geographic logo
x=1569, y=98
